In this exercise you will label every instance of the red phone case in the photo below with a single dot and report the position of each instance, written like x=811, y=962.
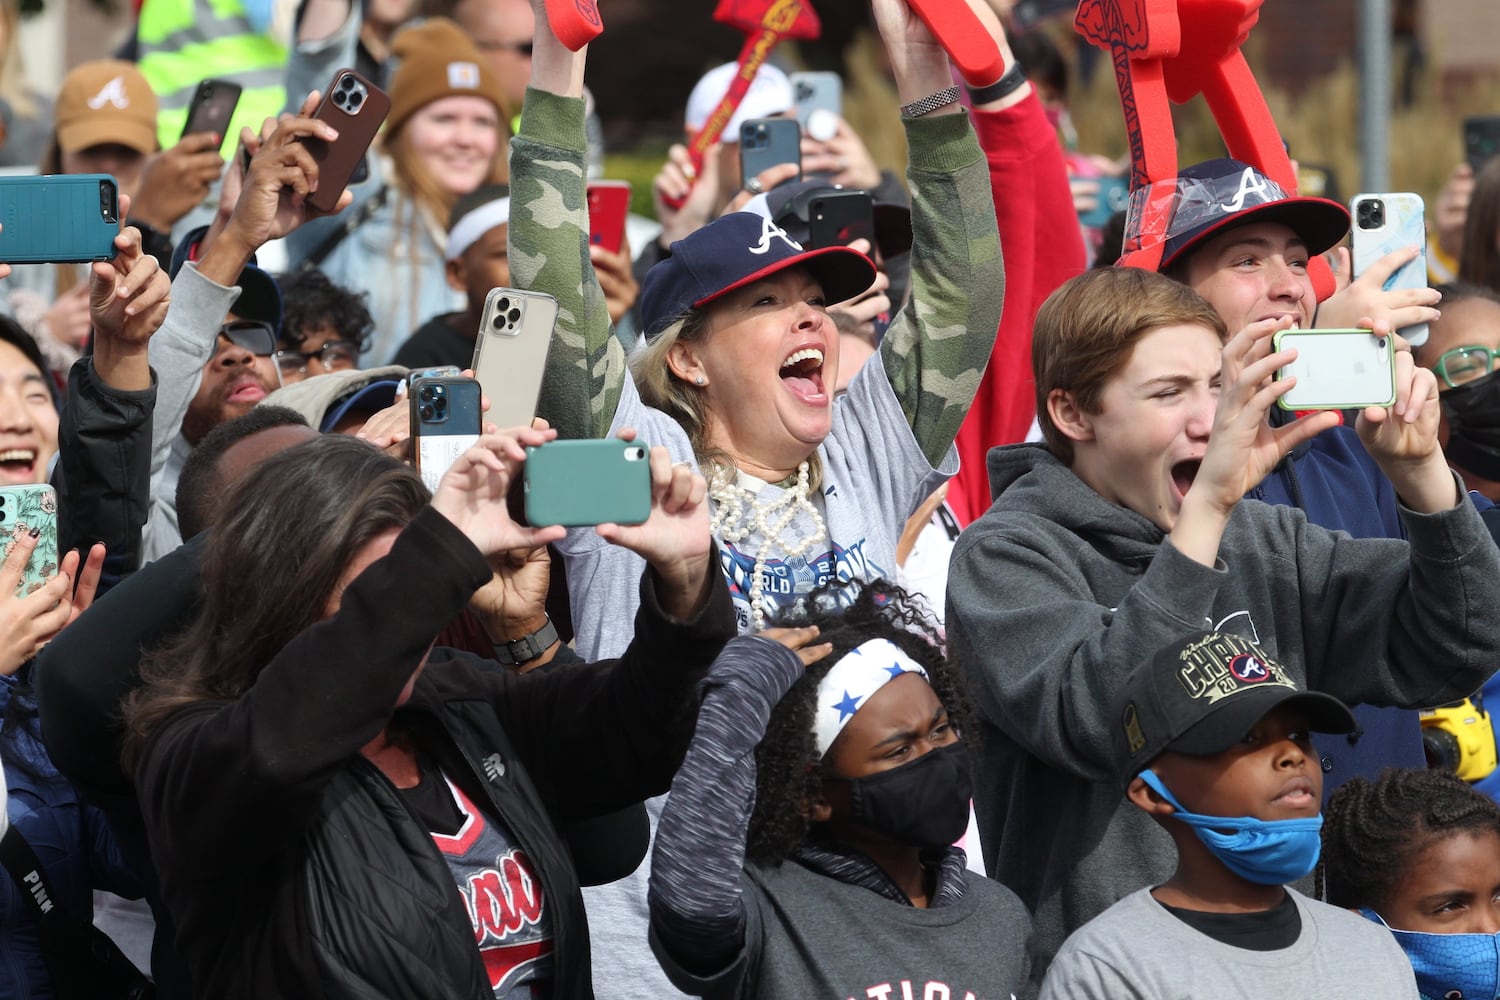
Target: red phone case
x=609, y=204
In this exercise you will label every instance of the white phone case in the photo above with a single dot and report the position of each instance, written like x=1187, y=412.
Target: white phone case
x=1403, y=224
x=1338, y=369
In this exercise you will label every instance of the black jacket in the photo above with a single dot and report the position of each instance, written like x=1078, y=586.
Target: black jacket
x=293, y=868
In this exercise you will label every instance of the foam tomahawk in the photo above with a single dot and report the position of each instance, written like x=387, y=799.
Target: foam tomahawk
x=765, y=22
x=574, y=22
x=1170, y=51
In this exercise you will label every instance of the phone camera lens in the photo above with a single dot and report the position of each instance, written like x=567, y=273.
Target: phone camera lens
x=425, y=393
x=355, y=100
x=426, y=411
x=499, y=322
x=514, y=315
x=503, y=304
x=1380, y=343
x=1371, y=214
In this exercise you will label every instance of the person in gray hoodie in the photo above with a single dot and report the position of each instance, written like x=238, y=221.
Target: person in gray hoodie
x=1127, y=529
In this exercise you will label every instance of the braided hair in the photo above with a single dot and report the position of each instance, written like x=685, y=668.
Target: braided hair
x=1373, y=830
x=787, y=761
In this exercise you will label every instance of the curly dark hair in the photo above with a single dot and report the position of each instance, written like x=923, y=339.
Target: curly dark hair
x=787, y=762
x=1373, y=830
x=311, y=301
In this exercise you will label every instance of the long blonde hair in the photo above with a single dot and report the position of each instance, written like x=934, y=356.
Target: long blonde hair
x=14, y=87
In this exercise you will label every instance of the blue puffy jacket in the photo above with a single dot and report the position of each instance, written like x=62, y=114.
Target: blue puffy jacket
x=69, y=837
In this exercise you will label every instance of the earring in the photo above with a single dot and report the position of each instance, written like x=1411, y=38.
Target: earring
x=700, y=380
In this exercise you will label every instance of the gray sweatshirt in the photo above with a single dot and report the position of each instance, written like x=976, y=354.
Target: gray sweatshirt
x=1056, y=593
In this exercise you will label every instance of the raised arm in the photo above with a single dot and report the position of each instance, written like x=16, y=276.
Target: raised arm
x=698, y=913
x=936, y=350
x=549, y=245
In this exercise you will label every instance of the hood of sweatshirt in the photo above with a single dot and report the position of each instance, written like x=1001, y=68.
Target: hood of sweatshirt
x=1027, y=479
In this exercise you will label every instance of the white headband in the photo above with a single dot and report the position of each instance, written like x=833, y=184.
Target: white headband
x=474, y=225
x=844, y=690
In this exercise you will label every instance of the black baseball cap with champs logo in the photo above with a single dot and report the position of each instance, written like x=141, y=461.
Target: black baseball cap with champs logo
x=1202, y=694
x=733, y=251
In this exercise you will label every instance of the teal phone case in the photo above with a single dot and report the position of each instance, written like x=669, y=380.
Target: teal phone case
x=580, y=483
x=63, y=218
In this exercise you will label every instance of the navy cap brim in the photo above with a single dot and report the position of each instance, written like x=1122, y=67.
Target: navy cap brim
x=1221, y=730
x=1319, y=222
x=842, y=272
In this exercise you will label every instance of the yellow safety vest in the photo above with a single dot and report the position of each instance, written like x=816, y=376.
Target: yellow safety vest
x=182, y=42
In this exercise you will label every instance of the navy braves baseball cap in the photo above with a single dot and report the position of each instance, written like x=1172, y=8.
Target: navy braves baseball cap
x=733, y=251
x=260, y=296
x=1201, y=694
x=1211, y=197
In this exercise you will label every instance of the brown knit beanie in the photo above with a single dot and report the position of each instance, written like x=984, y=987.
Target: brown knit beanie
x=438, y=60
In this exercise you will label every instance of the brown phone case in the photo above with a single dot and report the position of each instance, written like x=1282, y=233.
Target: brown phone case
x=357, y=108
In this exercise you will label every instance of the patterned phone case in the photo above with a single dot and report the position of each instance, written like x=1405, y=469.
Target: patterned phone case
x=25, y=508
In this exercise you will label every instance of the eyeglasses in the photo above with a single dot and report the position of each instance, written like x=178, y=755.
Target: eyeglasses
x=1465, y=364
x=523, y=48
x=333, y=356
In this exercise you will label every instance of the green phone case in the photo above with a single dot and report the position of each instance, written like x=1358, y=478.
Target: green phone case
x=579, y=483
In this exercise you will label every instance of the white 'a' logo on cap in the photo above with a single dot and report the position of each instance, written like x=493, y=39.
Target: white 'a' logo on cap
x=463, y=76
x=1251, y=182
x=112, y=92
x=769, y=231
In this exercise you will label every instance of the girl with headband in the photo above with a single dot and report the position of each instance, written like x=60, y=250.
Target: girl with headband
x=805, y=848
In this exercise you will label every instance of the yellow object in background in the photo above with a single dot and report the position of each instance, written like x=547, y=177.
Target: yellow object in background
x=1460, y=738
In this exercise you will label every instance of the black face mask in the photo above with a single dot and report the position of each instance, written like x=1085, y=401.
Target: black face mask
x=924, y=803
x=1473, y=412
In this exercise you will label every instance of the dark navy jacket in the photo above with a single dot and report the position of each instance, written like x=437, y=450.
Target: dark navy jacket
x=1336, y=483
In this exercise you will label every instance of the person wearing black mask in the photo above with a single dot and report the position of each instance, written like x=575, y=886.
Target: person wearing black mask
x=1461, y=348
x=806, y=846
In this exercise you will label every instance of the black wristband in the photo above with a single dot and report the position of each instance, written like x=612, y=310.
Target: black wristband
x=528, y=647
x=1008, y=84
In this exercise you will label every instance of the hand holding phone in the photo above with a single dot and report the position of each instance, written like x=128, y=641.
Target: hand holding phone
x=584, y=483
x=356, y=108
x=212, y=108
x=767, y=142
x=31, y=509
x=1337, y=369
x=1386, y=223
x=58, y=218
x=445, y=423
x=510, y=352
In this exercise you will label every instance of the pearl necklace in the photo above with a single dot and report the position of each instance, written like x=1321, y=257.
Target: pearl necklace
x=740, y=514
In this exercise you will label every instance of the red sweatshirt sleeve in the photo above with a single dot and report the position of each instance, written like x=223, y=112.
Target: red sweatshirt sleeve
x=1043, y=247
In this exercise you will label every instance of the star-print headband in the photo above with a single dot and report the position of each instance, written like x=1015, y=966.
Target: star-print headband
x=861, y=672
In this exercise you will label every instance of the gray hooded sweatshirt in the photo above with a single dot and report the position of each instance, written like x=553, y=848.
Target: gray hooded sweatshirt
x=1055, y=593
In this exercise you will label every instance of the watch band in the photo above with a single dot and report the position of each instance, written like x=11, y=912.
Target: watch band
x=528, y=647
x=943, y=98
x=1008, y=84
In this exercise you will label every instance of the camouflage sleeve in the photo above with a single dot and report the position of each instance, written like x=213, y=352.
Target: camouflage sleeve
x=549, y=252
x=936, y=349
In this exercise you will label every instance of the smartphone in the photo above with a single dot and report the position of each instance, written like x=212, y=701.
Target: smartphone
x=212, y=108
x=580, y=483
x=765, y=142
x=1338, y=369
x=1113, y=196
x=1387, y=222
x=609, y=204
x=440, y=371
x=510, y=352
x=31, y=508
x=813, y=93
x=836, y=218
x=357, y=108
x=63, y=218
x=445, y=423
x=1481, y=140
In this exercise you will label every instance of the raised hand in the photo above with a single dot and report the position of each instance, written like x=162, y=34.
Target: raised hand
x=472, y=493
x=128, y=294
x=674, y=538
x=177, y=180
x=1358, y=299
x=28, y=622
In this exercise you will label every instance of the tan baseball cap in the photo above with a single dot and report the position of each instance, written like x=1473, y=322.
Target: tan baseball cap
x=105, y=101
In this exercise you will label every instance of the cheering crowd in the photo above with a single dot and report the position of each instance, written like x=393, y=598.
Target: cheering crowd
x=992, y=629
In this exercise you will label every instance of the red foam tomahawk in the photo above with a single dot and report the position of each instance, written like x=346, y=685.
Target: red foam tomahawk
x=765, y=22
x=1173, y=50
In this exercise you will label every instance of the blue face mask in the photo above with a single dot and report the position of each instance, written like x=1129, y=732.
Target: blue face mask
x=1451, y=966
x=1266, y=852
